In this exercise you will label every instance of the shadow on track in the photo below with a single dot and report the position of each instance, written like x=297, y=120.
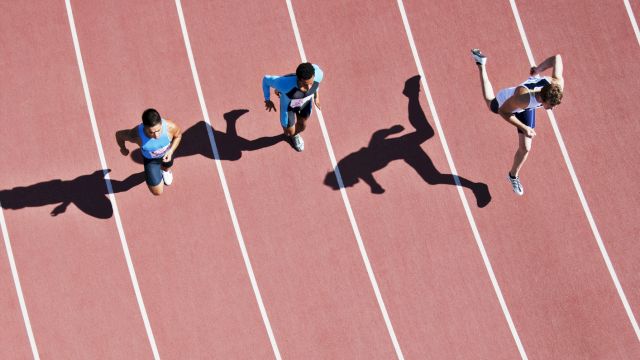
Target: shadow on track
x=195, y=140
x=87, y=192
x=382, y=150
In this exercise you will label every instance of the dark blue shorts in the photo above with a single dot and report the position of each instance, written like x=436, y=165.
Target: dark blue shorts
x=303, y=112
x=527, y=117
x=153, y=170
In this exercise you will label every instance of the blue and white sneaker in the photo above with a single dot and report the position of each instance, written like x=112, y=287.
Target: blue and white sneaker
x=516, y=185
x=298, y=142
x=478, y=56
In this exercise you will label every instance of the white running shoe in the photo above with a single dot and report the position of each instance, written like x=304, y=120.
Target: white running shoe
x=516, y=185
x=298, y=143
x=167, y=177
x=478, y=56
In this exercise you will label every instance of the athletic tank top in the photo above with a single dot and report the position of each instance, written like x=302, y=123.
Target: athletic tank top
x=298, y=97
x=154, y=148
x=533, y=83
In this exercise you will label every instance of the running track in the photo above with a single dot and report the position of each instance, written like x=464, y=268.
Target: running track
x=254, y=252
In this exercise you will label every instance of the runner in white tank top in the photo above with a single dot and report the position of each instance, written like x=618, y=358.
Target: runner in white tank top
x=517, y=104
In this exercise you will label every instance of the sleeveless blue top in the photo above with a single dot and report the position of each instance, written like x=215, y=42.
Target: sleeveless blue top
x=154, y=148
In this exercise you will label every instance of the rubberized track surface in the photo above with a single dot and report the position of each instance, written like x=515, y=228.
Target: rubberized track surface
x=255, y=252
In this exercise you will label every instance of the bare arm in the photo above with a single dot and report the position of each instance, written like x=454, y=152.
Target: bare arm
x=519, y=100
x=554, y=62
x=176, y=136
x=122, y=136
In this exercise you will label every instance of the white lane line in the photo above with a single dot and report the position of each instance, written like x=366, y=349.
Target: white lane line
x=16, y=281
x=345, y=198
x=225, y=187
x=454, y=172
x=576, y=183
x=634, y=23
x=107, y=180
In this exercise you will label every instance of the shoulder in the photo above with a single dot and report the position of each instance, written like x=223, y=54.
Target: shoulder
x=172, y=127
x=319, y=74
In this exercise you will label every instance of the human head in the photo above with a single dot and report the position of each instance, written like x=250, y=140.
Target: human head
x=551, y=95
x=152, y=123
x=306, y=75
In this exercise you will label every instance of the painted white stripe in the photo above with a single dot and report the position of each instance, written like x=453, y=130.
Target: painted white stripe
x=465, y=204
x=345, y=198
x=112, y=198
x=16, y=281
x=632, y=18
x=576, y=183
x=225, y=187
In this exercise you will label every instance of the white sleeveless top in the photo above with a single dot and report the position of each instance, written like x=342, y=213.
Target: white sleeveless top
x=533, y=83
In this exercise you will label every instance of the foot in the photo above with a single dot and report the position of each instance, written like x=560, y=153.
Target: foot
x=478, y=56
x=516, y=185
x=297, y=142
x=167, y=177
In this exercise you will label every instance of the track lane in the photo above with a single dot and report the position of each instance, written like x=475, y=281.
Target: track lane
x=73, y=275
x=600, y=127
x=436, y=288
x=191, y=273
x=562, y=299
x=306, y=260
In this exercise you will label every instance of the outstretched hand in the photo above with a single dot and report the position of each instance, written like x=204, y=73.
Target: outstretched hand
x=124, y=151
x=269, y=105
x=533, y=71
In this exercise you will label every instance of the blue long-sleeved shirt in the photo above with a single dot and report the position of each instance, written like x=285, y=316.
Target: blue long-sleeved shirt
x=286, y=85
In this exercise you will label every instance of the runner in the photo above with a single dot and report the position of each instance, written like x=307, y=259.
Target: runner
x=295, y=92
x=517, y=105
x=158, y=139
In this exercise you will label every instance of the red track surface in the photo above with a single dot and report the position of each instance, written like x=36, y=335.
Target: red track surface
x=301, y=244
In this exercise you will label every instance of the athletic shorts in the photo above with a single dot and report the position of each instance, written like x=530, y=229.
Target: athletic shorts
x=304, y=112
x=527, y=117
x=153, y=171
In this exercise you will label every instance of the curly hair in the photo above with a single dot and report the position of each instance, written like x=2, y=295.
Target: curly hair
x=551, y=94
x=151, y=117
x=305, y=71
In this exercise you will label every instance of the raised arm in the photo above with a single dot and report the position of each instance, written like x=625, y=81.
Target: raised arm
x=554, y=62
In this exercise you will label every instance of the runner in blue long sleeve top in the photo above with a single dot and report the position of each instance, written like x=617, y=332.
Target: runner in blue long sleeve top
x=295, y=92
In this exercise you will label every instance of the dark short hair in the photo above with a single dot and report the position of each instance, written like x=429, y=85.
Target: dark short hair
x=305, y=71
x=151, y=117
x=551, y=94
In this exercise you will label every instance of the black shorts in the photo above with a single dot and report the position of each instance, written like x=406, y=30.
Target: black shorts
x=153, y=171
x=527, y=117
x=304, y=112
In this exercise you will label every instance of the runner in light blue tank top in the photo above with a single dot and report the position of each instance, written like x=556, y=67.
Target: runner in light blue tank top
x=158, y=139
x=154, y=148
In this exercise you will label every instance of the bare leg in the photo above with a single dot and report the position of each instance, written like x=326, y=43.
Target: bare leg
x=522, y=153
x=156, y=190
x=487, y=89
x=301, y=124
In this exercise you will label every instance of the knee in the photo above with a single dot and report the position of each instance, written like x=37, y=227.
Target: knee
x=156, y=190
x=524, y=149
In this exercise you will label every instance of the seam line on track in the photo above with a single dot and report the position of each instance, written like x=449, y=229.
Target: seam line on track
x=345, y=198
x=112, y=198
x=223, y=181
x=16, y=281
x=632, y=18
x=454, y=172
x=576, y=183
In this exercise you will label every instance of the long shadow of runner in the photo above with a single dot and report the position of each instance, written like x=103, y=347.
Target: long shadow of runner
x=195, y=140
x=382, y=150
x=87, y=192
